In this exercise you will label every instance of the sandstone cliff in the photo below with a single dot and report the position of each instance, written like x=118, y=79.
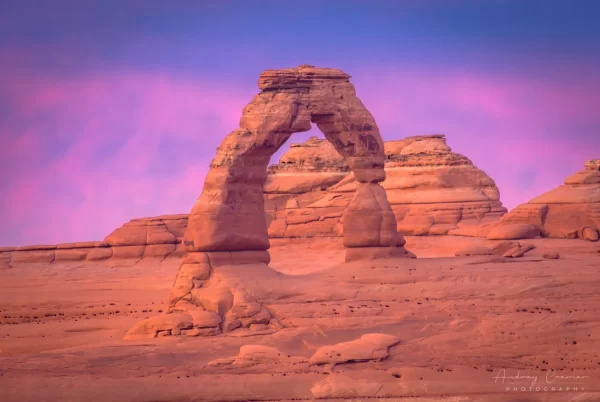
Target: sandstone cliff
x=570, y=211
x=430, y=188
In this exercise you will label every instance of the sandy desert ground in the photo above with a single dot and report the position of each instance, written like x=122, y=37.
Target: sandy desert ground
x=449, y=328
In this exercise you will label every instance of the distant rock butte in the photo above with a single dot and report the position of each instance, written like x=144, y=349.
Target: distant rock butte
x=430, y=189
x=570, y=211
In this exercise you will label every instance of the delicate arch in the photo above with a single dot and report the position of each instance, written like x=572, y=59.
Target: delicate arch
x=229, y=214
x=227, y=225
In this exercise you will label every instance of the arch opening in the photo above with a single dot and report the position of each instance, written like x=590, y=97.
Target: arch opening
x=229, y=214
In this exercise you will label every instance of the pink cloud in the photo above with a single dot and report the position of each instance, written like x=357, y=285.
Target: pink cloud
x=92, y=151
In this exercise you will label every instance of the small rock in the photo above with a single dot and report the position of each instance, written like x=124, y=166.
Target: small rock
x=589, y=234
x=552, y=255
x=367, y=347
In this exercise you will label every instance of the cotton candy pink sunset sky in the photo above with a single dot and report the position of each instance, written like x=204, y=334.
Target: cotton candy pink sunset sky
x=113, y=110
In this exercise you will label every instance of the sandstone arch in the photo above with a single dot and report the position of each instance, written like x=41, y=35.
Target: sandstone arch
x=229, y=214
x=227, y=225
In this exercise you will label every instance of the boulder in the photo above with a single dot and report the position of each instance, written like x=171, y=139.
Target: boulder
x=368, y=347
x=518, y=251
x=552, y=255
x=505, y=246
x=587, y=233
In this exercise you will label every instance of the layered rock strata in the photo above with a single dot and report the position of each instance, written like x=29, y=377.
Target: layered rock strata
x=157, y=237
x=85, y=251
x=431, y=190
x=571, y=210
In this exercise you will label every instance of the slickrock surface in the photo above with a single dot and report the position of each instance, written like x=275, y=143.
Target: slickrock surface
x=569, y=211
x=441, y=328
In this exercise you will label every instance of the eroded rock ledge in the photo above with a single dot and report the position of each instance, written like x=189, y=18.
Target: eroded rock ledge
x=157, y=237
x=569, y=211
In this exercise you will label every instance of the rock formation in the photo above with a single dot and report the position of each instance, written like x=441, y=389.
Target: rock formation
x=569, y=211
x=227, y=225
x=157, y=237
x=165, y=229
x=89, y=251
x=432, y=190
x=229, y=214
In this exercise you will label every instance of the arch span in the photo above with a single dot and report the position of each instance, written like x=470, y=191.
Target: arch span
x=229, y=214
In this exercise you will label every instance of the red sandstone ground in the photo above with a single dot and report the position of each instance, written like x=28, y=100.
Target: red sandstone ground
x=459, y=322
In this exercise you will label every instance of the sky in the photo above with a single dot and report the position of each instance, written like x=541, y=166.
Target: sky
x=112, y=110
